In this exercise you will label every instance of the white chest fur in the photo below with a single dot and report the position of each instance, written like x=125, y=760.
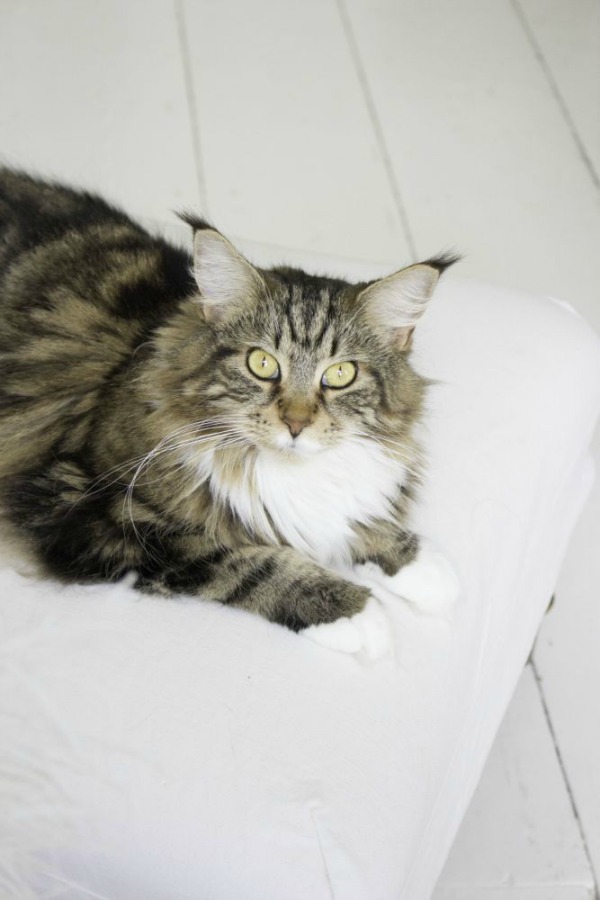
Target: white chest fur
x=313, y=501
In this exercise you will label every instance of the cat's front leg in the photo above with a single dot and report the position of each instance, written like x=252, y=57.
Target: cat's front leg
x=410, y=567
x=284, y=587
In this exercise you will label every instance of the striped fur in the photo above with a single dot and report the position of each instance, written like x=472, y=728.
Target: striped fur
x=134, y=437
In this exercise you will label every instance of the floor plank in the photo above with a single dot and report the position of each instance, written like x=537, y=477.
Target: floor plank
x=567, y=659
x=512, y=892
x=288, y=147
x=519, y=838
x=481, y=151
x=97, y=97
x=567, y=37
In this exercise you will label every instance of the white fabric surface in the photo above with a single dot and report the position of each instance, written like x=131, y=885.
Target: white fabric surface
x=159, y=749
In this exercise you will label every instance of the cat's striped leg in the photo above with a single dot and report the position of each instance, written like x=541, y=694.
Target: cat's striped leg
x=402, y=564
x=284, y=587
x=85, y=530
x=429, y=583
x=75, y=523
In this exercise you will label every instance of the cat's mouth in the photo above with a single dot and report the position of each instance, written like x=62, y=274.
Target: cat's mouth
x=299, y=447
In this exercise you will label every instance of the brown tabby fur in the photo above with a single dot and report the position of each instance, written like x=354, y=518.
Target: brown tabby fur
x=109, y=364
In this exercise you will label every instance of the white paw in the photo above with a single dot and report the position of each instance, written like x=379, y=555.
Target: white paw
x=429, y=582
x=368, y=631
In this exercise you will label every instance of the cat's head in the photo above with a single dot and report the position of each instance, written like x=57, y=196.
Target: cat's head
x=296, y=363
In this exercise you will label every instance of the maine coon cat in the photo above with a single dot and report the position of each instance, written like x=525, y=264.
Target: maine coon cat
x=239, y=434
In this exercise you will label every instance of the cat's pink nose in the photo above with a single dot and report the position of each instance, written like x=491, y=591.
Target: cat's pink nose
x=296, y=425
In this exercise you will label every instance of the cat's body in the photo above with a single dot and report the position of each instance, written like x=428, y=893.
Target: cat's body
x=137, y=433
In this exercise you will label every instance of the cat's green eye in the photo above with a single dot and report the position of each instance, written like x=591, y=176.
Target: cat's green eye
x=340, y=375
x=263, y=365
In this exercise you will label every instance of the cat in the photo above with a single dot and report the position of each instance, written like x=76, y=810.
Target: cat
x=239, y=434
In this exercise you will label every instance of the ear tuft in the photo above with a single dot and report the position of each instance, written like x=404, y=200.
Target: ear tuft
x=443, y=261
x=195, y=221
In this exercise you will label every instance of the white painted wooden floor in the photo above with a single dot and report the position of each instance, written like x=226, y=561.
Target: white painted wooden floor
x=380, y=130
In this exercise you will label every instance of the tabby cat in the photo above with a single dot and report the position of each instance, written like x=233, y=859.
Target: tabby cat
x=244, y=435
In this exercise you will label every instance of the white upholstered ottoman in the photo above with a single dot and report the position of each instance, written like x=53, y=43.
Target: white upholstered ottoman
x=163, y=750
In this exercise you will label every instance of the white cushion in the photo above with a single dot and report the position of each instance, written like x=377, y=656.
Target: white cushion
x=153, y=748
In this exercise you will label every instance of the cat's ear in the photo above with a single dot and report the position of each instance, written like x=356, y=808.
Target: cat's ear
x=393, y=305
x=225, y=279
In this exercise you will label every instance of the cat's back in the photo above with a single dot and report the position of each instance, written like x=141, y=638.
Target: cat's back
x=53, y=235
x=81, y=285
